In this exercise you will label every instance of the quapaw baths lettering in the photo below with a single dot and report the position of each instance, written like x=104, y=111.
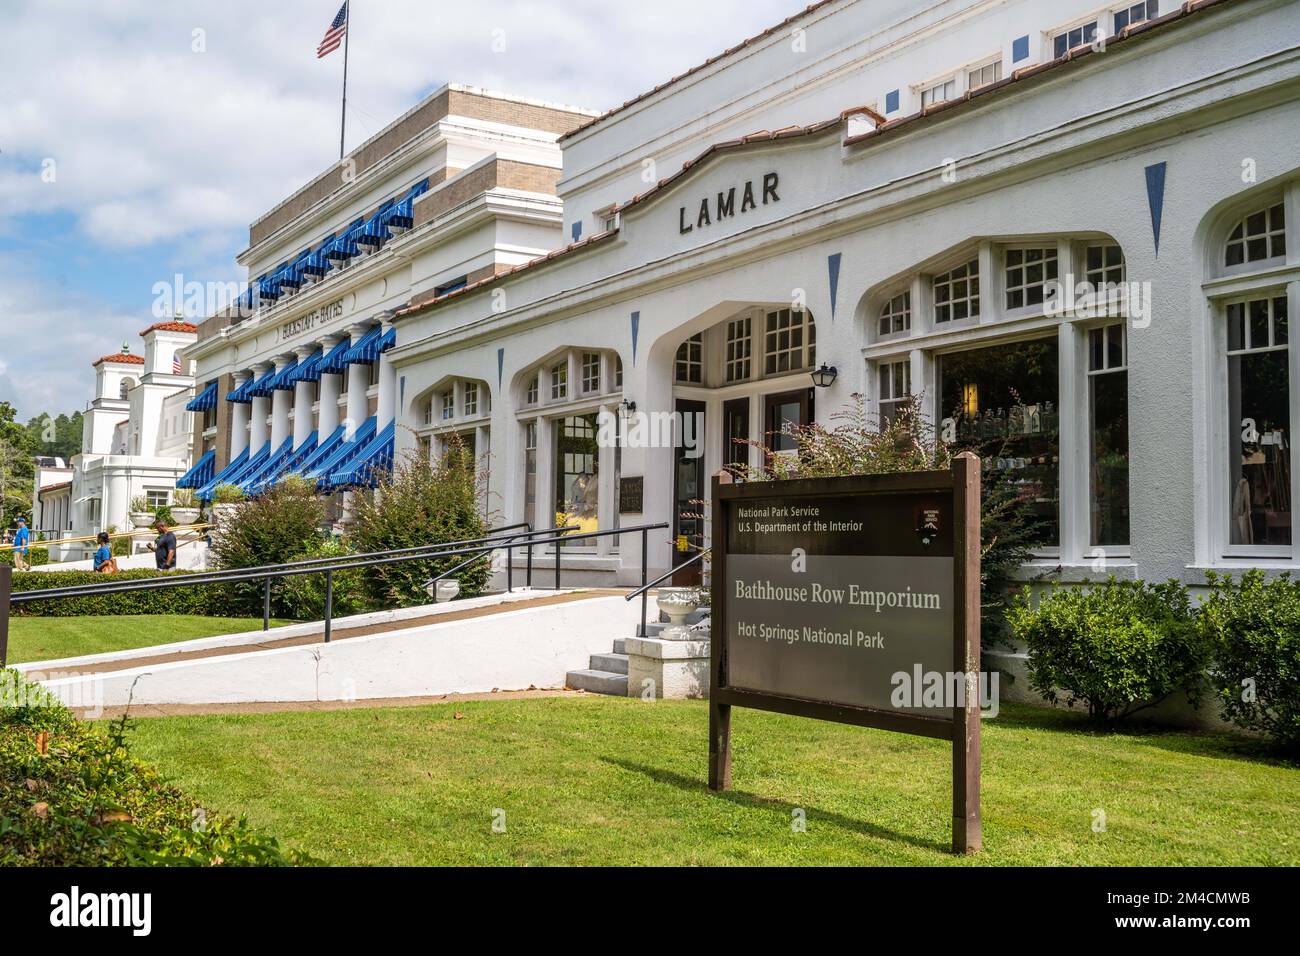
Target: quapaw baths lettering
x=851, y=596
x=724, y=206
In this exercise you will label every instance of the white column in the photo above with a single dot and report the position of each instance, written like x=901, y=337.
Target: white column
x=280, y=402
x=387, y=409
x=329, y=396
x=358, y=405
x=303, y=393
x=259, y=409
x=239, y=423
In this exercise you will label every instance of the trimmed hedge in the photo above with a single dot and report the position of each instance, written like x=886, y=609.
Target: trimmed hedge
x=204, y=600
x=1117, y=646
x=1253, y=624
x=72, y=795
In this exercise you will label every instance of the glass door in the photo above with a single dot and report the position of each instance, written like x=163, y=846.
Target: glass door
x=689, y=491
x=735, y=433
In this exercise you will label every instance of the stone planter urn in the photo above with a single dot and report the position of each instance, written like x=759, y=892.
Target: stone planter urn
x=679, y=603
x=142, y=519
x=185, y=516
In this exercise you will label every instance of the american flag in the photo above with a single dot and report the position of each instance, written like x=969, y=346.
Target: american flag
x=176, y=365
x=334, y=35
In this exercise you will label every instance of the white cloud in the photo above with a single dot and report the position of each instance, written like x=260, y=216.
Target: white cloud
x=158, y=148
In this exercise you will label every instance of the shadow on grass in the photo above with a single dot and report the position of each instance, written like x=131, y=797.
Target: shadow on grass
x=1198, y=743
x=750, y=800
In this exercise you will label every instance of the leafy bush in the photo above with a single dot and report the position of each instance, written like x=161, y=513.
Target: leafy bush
x=302, y=598
x=857, y=444
x=280, y=525
x=1118, y=647
x=227, y=495
x=1253, y=628
x=204, y=599
x=36, y=556
x=71, y=795
x=421, y=503
x=164, y=514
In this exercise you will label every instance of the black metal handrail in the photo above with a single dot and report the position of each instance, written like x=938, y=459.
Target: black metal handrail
x=645, y=589
x=476, y=547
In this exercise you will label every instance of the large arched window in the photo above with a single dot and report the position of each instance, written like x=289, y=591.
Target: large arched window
x=1253, y=388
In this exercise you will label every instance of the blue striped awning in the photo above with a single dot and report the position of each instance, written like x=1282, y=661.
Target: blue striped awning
x=402, y=212
x=366, y=350
x=343, y=453
x=268, y=466
x=262, y=387
x=301, y=371
x=332, y=364
x=364, y=469
x=374, y=232
x=205, y=401
x=345, y=246
x=283, y=380
x=201, y=473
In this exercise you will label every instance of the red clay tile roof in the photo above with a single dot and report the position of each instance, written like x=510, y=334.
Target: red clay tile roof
x=695, y=69
x=172, y=327
x=1025, y=73
x=118, y=358
x=60, y=485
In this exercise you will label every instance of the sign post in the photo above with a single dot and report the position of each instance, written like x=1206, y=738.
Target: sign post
x=854, y=600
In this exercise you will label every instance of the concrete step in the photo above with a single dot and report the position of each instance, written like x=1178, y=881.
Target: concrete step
x=614, y=663
x=598, y=682
x=620, y=646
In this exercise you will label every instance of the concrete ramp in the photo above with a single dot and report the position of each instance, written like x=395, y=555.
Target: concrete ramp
x=528, y=641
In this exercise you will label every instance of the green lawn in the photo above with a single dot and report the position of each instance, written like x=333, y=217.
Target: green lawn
x=53, y=638
x=598, y=780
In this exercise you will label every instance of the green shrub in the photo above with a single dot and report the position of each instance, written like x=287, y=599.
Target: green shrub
x=302, y=598
x=72, y=795
x=1118, y=647
x=204, y=599
x=164, y=514
x=1253, y=628
x=421, y=503
x=35, y=557
x=280, y=525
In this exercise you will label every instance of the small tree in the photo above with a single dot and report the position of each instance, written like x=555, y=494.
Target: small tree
x=421, y=503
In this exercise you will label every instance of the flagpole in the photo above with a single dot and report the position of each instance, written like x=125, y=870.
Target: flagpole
x=343, y=122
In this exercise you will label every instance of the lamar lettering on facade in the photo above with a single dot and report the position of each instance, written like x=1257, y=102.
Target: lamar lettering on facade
x=724, y=207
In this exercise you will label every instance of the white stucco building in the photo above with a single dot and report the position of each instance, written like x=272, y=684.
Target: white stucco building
x=909, y=193
x=459, y=188
x=136, y=434
x=921, y=196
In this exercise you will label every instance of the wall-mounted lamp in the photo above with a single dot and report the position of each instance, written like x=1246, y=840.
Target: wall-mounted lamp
x=825, y=376
x=629, y=407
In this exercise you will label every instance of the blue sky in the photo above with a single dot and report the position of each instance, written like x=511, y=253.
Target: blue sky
x=138, y=139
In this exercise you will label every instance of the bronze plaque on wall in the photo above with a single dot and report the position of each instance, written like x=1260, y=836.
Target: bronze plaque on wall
x=631, y=495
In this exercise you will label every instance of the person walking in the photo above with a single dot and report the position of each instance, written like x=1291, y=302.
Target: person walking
x=164, y=548
x=105, y=563
x=21, y=539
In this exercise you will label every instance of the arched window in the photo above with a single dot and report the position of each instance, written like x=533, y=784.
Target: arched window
x=1258, y=236
x=125, y=388
x=896, y=314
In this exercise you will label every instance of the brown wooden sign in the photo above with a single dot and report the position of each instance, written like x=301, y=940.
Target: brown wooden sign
x=855, y=600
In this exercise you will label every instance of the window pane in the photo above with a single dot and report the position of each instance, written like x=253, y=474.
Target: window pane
x=576, y=464
x=1001, y=403
x=1109, y=461
x=1259, y=425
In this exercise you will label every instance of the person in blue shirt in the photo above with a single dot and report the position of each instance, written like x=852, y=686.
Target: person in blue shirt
x=104, y=561
x=22, y=537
